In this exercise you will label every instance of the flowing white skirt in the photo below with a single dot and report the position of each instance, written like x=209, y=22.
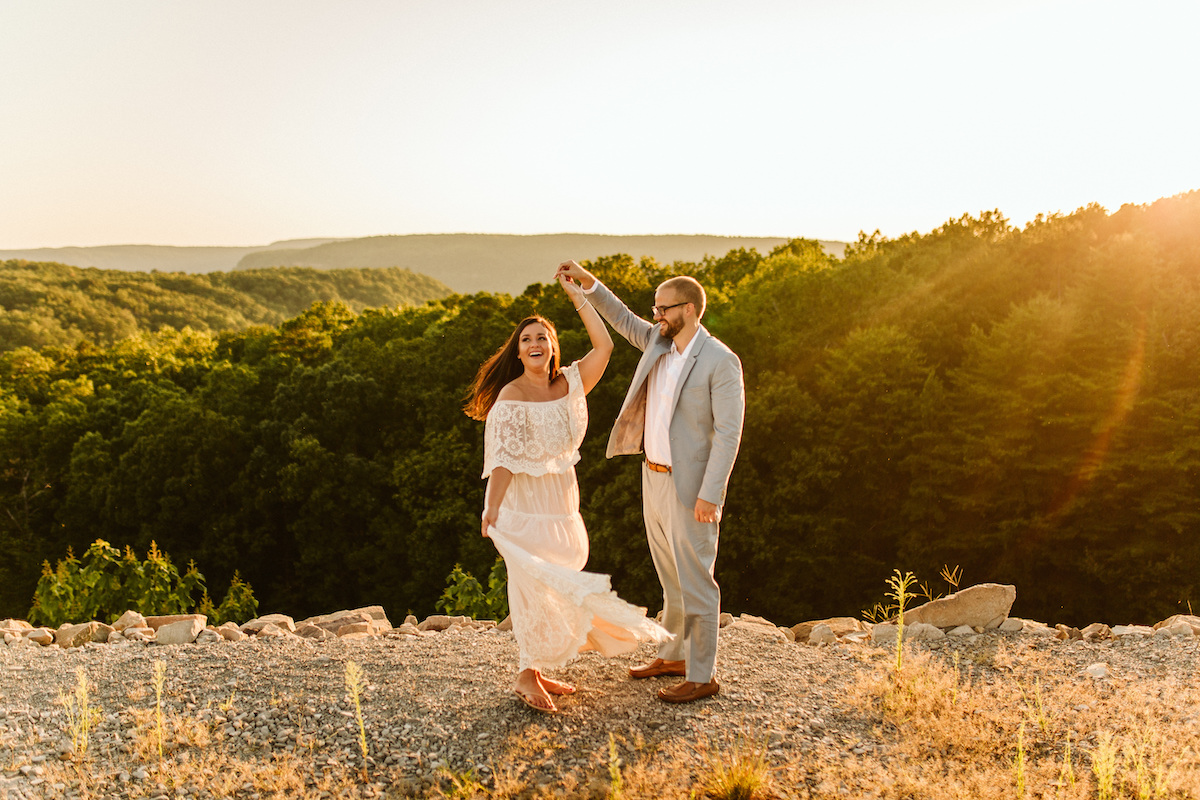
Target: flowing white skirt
x=559, y=611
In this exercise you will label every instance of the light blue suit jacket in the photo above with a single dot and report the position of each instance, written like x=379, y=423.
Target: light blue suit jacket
x=706, y=413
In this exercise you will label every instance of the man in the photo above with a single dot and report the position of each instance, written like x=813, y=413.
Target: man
x=684, y=409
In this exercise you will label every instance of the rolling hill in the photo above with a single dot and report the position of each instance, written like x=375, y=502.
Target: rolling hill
x=470, y=262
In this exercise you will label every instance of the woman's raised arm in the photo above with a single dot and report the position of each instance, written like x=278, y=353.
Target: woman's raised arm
x=591, y=366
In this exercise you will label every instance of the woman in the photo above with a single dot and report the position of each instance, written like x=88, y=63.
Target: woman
x=536, y=417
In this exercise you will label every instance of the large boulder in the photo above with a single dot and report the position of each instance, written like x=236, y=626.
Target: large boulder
x=985, y=605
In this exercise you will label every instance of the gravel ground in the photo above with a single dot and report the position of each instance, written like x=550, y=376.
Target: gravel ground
x=443, y=701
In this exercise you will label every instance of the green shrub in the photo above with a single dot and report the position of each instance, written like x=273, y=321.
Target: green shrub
x=106, y=583
x=464, y=594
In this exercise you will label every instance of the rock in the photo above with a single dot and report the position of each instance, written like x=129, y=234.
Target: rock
x=138, y=634
x=437, y=622
x=788, y=634
x=1180, y=628
x=154, y=623
x=1131, y=630
x=766, y=631
x=961, y=630
x=42, y=636
x=408, y=629
x=725, y=620
x=839, y=625
x=278, y=620
x=1012, y=625
x=76, y=635
x=1192, y=621
x=130, y=619
x=230, y=632
x=1098, y=670
x=270, y=630
x=979, y=606
x=182, y=631
x=821, y=634
x=11, y=638
x=1097, y=632
x=1065, y=633
x=314, y=632
x=411, y=620
x=355, y=627
x=922, y=631
x=885, y=632
x=753, y=620
x=15, y=625
x=505, y=624
x=374, y=615
x=209, y=636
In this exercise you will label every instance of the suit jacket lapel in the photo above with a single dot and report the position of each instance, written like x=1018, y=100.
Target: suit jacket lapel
x=701, y=338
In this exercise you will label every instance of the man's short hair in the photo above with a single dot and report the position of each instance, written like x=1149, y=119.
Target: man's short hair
x=689, y=291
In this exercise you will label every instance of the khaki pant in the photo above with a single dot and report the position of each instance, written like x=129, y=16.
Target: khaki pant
x=684, y=553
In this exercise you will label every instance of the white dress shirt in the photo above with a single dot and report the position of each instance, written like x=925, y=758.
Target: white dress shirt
x=663, y=380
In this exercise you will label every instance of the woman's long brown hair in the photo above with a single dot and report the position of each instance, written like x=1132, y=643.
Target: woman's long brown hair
x=504, y=367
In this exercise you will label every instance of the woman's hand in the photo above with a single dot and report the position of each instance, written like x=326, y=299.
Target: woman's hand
x=488, y=520
x=574, y=290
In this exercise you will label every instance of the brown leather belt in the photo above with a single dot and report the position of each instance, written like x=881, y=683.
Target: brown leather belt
x=658, y=467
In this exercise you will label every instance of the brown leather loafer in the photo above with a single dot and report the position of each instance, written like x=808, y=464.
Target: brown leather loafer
x=659, y=667
x=688, y=691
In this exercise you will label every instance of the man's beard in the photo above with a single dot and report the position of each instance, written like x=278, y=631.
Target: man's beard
x=673, y=328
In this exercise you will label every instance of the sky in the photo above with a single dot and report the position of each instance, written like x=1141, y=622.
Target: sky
x=244, y=123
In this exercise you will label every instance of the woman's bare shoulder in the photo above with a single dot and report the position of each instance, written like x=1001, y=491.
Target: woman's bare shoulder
x=511, y=391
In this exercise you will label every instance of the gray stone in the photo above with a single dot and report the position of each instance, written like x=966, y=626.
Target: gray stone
x=270, y=630
x=436, y=622
x=183, y=631
x=977, y=606
x=1098, y=670
x=374, y=615
x=42, y=636
x=1180, y=628
x=230, y=632
x=408, y=629
x=1097, y=632
x=209, y=636
x=961, y=630
x=1012, y=625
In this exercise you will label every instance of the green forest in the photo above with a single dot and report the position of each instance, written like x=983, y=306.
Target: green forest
x=47, y=304
x=1020, y=402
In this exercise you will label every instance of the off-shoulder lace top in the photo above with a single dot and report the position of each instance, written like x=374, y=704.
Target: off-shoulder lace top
x=537, y=437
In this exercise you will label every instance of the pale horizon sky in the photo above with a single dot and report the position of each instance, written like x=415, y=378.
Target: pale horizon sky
x=244, y=123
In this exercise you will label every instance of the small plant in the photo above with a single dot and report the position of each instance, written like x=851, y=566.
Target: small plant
x=463, y=785
x=464, y=595
x=900, y=595
x=740, y=772
x=354, y=685
x=1067, y=773
x=1037, y=708
x=1104, y=766
x=1019, y=761
x=81, y=715
x=614, y=769
x=160, y=675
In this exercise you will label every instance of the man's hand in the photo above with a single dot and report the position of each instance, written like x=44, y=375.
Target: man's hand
x=572, y=270
x=707, y=512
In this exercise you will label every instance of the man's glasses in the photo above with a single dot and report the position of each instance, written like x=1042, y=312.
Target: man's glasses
x=659, y=311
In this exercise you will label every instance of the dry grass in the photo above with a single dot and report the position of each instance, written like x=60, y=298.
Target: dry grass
x=1008, y=722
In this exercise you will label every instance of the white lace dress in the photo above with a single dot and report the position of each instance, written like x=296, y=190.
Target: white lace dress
x=557, y=610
